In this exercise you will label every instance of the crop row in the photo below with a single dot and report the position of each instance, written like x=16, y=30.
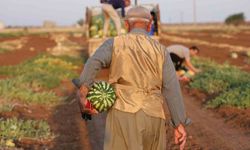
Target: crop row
x=12, y=130
x=228, y=83
x=32, y=80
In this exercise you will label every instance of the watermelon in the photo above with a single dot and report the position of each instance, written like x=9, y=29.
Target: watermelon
x=189, y=74
x=234, y=55
x=100, y=33
x=97, y=25
x=123, y=31
x=101, y=96
x=181, y=72
x=93, y=30
x=248, y=53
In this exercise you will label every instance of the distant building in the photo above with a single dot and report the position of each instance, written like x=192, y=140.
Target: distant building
x=2, y=26
x=49, y=24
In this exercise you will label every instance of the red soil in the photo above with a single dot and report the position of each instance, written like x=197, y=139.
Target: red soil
x=40, y=44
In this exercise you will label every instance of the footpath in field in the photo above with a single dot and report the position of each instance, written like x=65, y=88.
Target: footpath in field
x=211, y=132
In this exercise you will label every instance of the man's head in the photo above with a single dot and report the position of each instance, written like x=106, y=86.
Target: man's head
x=138, y=17
x=194, y=50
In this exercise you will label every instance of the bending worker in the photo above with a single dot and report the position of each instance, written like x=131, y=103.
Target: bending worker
x=143, y=75
x=181, y=54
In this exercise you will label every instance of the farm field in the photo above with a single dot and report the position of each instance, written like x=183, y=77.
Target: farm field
x=38, y=109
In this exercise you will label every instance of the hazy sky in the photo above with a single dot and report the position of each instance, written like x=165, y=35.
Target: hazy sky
x=67, y=12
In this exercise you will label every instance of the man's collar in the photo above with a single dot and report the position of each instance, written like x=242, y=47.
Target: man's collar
x=139, y=31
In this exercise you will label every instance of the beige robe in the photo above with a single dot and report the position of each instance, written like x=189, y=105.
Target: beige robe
x=137, y=119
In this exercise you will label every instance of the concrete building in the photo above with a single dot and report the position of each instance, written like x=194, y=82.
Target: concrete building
x=49, y=24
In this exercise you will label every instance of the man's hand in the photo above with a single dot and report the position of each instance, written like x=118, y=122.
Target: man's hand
x=85, y=105
x=180, y=136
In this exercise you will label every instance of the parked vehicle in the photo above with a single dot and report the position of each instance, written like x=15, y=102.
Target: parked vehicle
x=95, y=20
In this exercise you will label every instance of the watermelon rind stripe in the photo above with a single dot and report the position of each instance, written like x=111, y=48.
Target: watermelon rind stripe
x=102, y=96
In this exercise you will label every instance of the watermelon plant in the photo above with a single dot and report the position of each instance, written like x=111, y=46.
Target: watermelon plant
x=12, y=34
x=16, y=89
x=62, y=67
x=216, y=78
x=238, y=97
x=31, y=80
x=3, y=50
x=229, y=83
x=6, y=108
x=15, y=129
x=102, y=96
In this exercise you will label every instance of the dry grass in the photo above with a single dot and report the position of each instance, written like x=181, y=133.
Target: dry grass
x=204, y=27
x=33, y=30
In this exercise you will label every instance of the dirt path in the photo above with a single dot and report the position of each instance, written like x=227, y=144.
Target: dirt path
x=71, y=131
x=211, y=132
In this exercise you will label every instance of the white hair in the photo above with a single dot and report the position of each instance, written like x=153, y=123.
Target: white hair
x=137, y=19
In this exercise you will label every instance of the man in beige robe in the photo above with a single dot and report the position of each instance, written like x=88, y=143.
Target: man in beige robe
x=143, y=75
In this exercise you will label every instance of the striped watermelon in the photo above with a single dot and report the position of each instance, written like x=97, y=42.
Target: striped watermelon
x=102, y=96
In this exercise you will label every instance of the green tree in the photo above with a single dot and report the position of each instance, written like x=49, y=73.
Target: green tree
x=80, y=22
x=235, y=19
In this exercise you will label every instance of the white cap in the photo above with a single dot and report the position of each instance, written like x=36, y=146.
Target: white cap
x=138, y=13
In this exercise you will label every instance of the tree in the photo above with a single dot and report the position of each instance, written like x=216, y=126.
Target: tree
x=80, y=22
x=235, y=19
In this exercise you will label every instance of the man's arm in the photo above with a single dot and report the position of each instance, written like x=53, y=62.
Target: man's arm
x=187, y=61
x=172, y=93
x=100, y=59
x=190, y=66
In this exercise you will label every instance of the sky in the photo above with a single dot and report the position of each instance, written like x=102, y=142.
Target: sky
x=67, y=12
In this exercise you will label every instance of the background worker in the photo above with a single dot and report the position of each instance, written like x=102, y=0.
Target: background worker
x=109, y=12
x=181, y=54
x=143, y=75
